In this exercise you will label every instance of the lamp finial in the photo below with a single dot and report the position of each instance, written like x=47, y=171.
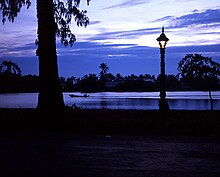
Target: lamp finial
x=163, y=29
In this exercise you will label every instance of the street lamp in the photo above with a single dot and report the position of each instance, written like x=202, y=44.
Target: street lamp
x=162, y=39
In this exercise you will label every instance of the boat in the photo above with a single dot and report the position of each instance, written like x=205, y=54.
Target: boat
x=84, y=95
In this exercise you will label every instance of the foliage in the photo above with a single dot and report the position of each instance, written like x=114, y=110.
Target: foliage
x=172, y=81
x=89, y=82
x=9, y=68
x=11, y=8
x=197, y=69
x=118, y=76
x=64, y=12
x=54, y=18
x=11, y=79
x=104, y=69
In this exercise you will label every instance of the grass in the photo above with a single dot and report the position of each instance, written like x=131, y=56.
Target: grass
x=174, y=122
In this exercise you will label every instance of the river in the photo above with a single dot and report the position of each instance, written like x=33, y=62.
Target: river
x=187, y=100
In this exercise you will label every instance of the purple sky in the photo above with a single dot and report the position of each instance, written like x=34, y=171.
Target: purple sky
x=122, y=33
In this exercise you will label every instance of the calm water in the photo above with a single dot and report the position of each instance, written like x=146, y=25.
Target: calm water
x=120, y=100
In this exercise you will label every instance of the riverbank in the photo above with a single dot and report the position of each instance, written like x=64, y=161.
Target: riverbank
x=175, y=122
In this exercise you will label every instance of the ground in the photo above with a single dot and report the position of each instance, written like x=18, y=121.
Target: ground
x=174, y=122
x=82, y=155
x=109, y=143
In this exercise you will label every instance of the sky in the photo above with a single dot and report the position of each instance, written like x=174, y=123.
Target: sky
x=122, y=34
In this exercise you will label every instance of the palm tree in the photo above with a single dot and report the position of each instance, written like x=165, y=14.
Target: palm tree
x=104, y=69
x=10, y=68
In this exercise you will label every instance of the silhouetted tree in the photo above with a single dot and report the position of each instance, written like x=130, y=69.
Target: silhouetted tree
x=70, y=83
x=29, y=83
x=54, y=18
x=62, y=79
x=103, y=74
x=118, y=76
x=109, y=77
x=172, y=81
x=148, y=76
x=199, y=71
x=89, y=83
x=104, y=69
x=131, y=77
x=9, y=68
x=10, y=76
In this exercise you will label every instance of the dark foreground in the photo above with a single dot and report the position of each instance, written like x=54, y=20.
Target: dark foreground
x=111, y=122
x=107, y=143
x=77, y=155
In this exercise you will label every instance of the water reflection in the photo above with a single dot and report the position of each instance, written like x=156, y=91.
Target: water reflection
x=190, y=104
x=121, y=100
x=103, y=103
x=147, y=100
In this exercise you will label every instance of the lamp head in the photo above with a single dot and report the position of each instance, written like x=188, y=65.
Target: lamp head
x=162, y=39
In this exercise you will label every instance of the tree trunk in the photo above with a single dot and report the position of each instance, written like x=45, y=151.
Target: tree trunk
x=50, y=94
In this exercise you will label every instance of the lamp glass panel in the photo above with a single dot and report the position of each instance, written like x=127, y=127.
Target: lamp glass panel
x=162, y=44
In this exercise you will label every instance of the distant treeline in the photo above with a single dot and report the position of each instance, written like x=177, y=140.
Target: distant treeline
x=15, y=83
x=195, y=73
x=109, y=82
x=93, y=83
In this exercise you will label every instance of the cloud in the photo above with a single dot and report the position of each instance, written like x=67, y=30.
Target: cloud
x=26, y=50
x=129, y=3
x=85, y=57
x=167, y=18
x=100, y=51
x=208, y=18
x=208, y=33
x=92, y=48
x=94, y=22
x=131, y=34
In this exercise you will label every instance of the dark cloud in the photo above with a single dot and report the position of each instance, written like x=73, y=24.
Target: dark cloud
x=208, y=18
x=129, y=3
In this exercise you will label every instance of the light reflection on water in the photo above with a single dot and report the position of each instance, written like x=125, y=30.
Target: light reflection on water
x=145, y=100
x=120, y=100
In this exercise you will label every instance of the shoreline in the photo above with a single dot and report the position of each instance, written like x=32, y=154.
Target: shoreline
x=91, y=121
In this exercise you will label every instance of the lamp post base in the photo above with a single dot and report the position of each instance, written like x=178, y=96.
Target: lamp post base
x=163, y=105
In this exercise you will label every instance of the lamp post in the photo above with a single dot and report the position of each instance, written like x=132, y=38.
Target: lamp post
x=162, y=39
